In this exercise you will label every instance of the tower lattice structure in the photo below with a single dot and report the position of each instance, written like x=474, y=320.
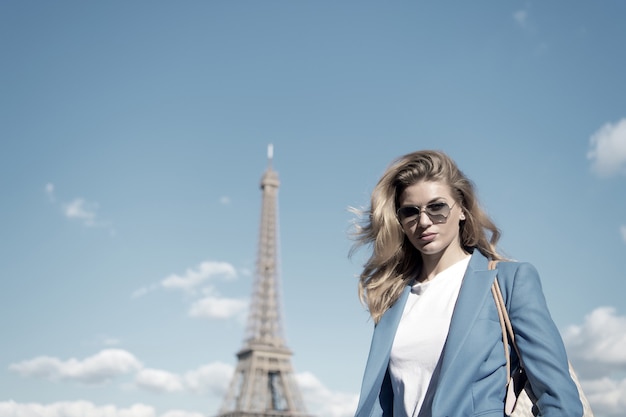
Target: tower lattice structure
x=263, y=384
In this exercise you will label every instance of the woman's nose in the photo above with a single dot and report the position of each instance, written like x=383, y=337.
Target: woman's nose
x=423, y=220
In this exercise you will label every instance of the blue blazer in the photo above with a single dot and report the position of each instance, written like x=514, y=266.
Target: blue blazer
x=473, y=366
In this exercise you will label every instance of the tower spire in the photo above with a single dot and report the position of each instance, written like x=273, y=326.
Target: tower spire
x=263, y=384
x=264, y=318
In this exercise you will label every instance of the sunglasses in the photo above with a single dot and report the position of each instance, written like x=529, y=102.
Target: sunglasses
x=437, y=213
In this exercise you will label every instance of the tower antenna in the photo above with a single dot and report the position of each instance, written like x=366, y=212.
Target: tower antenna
x=270, y=153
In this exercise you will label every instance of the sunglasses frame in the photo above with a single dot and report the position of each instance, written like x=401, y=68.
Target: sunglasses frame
x=435, y=218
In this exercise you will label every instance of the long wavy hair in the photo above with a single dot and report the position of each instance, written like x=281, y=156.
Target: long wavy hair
x=394, y=261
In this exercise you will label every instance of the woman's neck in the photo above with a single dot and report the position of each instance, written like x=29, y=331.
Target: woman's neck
x=434, y=264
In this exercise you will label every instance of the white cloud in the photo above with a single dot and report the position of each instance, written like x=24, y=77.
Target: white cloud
x=140, y=292
x=50, y=191
x=180, y=413
x=607, y=397
x=96, y=369
x=72, y=409
x=210, y=379
x=192, y=278
x=207, y=303
x=324, y=402
x=82, y=210
x=622, y=230
x=521, y=17
x=608, y=149
x=597, y=349
x=84, y=409
x=213, y=306
x=598, y=346
x=159, y=381
x=320, y=401
x=225, y=200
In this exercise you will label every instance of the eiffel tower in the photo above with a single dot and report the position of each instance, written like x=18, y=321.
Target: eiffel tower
x=263, y=384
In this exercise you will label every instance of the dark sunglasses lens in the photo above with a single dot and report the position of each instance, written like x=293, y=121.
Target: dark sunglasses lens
x=437, y=218
x=407, y=213
x=438, y=212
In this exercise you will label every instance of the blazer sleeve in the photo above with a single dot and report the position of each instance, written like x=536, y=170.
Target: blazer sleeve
x=540, y=345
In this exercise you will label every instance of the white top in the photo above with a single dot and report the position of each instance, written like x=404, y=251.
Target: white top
x=420, y=337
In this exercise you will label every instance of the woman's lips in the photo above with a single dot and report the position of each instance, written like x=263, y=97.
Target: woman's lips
x=427, y=237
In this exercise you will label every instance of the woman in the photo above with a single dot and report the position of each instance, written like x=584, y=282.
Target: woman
x=437, y=347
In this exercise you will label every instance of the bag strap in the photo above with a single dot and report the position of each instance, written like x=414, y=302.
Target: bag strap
x=505, y=323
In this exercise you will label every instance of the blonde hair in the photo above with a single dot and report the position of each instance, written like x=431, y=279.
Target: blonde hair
x=394, y=261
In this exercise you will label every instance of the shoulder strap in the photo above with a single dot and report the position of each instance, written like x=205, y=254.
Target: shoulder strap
x=505, y=322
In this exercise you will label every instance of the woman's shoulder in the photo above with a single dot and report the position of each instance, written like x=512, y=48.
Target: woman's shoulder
x=522, y=276
x=516, y=266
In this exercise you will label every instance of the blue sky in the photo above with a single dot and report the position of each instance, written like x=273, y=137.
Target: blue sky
x=133, y=139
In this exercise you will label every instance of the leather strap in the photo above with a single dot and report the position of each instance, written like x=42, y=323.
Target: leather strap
x=505, y=322
x=513, y=387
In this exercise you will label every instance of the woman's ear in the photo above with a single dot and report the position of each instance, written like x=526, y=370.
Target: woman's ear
x=462, y=216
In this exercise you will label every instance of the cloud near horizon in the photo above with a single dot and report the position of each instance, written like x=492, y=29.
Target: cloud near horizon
x=108, y=364
x=322, y=401
x=97, y=369
x=160, y=381
x=210, y=381
x=597, y=349
x=83, y=408
x=598, y=346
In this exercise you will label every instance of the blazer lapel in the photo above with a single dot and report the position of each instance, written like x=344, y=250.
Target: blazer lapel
x=378, y=358
x=474, y=289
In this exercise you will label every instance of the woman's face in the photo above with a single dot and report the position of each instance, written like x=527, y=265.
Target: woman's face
x=433, y=228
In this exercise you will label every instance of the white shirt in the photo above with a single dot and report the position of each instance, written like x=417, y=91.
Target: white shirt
x=420, y=337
